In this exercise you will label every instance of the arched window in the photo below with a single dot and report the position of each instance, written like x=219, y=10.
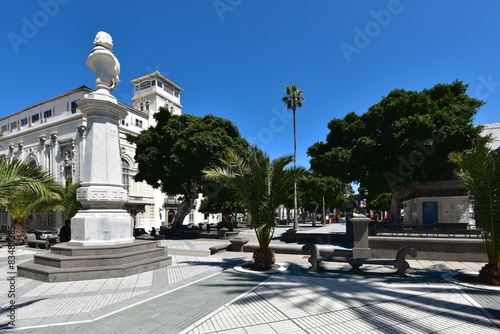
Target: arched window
x=68, y=171
x=126, y=174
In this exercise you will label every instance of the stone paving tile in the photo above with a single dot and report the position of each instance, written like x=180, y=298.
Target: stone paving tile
x=294, y=302
x=286, y=327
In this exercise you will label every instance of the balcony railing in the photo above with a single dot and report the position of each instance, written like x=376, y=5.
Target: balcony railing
x=443, y=230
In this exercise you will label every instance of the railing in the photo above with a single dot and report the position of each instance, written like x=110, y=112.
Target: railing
x=426, y=231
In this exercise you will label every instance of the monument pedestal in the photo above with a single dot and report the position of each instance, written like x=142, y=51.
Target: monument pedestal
x=102, y=243
x=101, y=227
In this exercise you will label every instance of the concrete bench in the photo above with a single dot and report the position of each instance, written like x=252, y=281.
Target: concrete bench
x=218, y=248
x=33, y=242
x=225, y=233
x=50, y=241
x=399, y=263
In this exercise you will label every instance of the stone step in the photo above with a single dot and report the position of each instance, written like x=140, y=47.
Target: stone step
x=66, y=249
x=52, y=274
x=64, y=261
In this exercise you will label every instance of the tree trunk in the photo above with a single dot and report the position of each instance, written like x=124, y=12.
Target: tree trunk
x=295, y=217
x=264, y=258
x=490, y=274
x=395, y=210
x=182, y=211
x=314, y=217
x=18, y=237
x=324, y=217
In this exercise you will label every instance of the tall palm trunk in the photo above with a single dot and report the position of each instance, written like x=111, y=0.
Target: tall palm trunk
x=18, y=237
x=295, y=216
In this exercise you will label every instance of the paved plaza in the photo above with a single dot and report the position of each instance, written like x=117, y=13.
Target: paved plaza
x=203, y=293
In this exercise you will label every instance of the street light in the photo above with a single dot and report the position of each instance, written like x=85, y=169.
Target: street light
x=366, y=200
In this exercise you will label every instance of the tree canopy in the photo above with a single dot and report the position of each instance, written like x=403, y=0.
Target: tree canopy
x=402, y=140
x=218, y=198
x=318, y=190
x=172, y=154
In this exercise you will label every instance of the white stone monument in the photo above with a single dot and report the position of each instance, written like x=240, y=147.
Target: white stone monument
x=102, y=221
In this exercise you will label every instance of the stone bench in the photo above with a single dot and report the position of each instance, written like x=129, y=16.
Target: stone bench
x=33, y=242
x=50, y=241
x=218, y=248
x=399, y=263
x=225, y=233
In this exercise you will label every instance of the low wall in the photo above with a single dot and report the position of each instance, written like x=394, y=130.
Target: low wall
x=440, y=249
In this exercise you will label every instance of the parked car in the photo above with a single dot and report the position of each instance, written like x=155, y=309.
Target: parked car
x=138, y=231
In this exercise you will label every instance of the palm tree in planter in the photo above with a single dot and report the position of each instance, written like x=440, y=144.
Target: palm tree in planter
x=480, y=173
x=24, y=203
x=261, y=185
x=25, y=188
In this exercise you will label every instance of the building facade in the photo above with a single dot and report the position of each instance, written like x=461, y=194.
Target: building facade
x=52, y=134
x=493, y=129
x=445, y=201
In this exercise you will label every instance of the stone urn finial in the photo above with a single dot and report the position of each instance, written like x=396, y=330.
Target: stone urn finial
x=103, y=62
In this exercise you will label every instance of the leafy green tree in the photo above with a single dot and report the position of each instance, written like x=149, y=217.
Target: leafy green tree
x=308, y=198
x=24, y=189
x=404, y=139
x=262, y=185
x=219, y=199
x=381, y=202
x=172, y=154
x=292, y=100
x=479, y=170
x=322, y=190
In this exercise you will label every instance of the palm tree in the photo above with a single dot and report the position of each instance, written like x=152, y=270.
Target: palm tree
x=294, y=99
x=25, y=187
x=23, y=204
x=70, y=205
x=261, y=185
x=480, y=173
x=16, y=175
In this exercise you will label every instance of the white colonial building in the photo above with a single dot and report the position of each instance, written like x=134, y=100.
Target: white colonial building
x=494, y=130
x=52, y=134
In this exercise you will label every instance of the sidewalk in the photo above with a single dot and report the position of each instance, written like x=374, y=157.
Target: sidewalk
x=200, y=293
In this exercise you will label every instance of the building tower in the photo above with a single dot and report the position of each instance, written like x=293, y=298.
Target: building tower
x=153, y=91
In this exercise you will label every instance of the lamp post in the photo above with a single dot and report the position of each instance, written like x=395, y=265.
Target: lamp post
x=366, y=200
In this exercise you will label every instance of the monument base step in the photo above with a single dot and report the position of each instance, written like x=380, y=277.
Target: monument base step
x=96, y=262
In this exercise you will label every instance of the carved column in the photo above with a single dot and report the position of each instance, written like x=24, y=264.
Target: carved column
x=102, y=221
x=53, y=156
x=82, y=132
x=41, y=150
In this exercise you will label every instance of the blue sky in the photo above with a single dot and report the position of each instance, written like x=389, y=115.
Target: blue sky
x=233, y=58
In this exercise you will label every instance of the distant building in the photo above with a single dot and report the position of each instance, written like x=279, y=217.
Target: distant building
x=494, y=130
x=437, y=202
x=52, y=134
x=445, y=201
